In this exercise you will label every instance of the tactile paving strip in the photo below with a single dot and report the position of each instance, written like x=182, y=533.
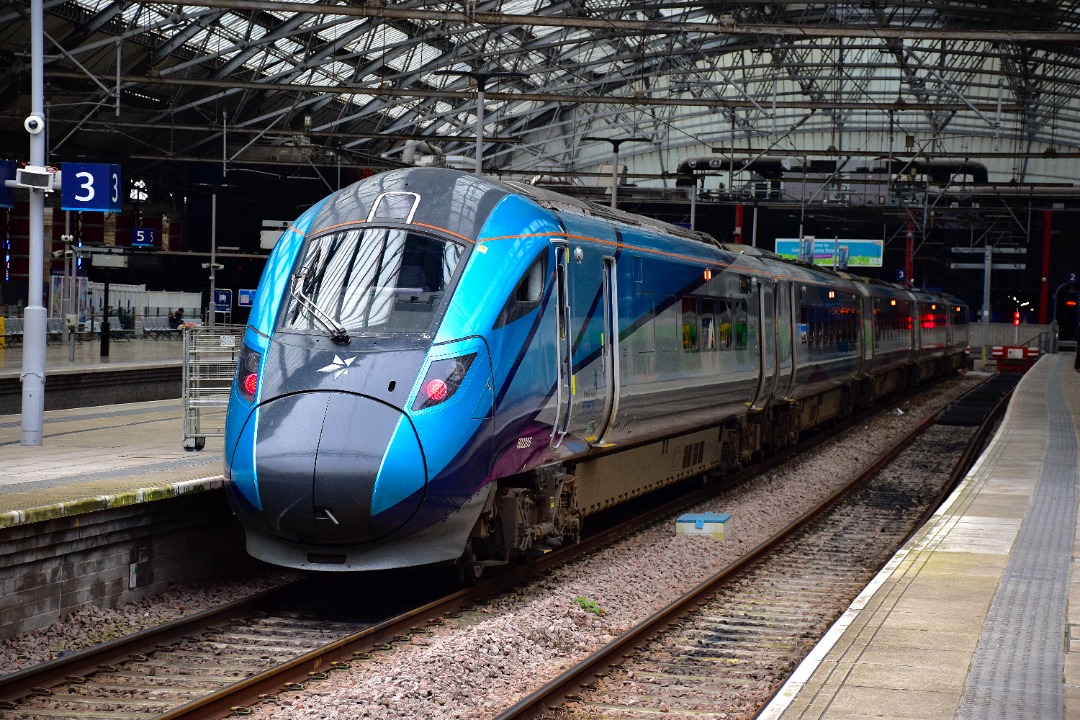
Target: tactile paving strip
x=1019, y=662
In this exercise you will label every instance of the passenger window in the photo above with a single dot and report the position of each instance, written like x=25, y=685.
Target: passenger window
x=708, y=325
x=740, y=330
x=723, y=320
x=689, y=324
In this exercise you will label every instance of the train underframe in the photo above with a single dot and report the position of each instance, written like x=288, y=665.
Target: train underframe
x=533, y=513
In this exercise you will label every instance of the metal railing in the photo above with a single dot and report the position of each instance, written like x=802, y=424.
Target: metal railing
x=210, y=357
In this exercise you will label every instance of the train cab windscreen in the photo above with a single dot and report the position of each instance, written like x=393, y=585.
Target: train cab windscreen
x=371, y=281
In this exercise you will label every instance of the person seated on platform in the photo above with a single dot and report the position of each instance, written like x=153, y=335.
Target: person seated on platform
x=176, y=319
x=177, y=322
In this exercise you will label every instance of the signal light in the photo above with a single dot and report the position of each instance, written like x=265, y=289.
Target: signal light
x=1016, y=317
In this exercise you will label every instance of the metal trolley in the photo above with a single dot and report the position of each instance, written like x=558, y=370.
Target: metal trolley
x=210, y=357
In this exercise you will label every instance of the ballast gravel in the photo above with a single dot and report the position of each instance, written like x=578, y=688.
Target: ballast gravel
x=479, y=663
x=92, y=625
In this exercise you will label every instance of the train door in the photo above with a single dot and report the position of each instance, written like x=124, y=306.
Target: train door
x=767, y=344
x=610, y=348
x=865, y=306
x=564, y=381
x=591, y=276
x=785, y=318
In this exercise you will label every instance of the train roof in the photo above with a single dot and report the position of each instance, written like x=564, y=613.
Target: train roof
x=552, y=200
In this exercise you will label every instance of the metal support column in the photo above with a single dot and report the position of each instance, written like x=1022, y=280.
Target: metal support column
x=34, y=323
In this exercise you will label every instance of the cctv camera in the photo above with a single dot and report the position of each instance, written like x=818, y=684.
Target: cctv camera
x=34, y=124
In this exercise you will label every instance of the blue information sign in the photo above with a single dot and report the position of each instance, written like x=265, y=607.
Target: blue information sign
x=832, y=253
x=90, y=186
x=7, y=195
x=143, y=237
x=245, y=298
x=223, y=300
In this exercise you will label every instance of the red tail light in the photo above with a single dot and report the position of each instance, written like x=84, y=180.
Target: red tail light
x=437, y=390
x=443, y=379
x=247, y=374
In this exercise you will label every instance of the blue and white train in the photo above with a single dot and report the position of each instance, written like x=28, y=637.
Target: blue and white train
x=442, y=367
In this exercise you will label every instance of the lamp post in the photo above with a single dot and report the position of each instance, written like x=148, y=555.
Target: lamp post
x=615, y=143
x=213, y=259
x=481, y=79
x=213, y=266
x=34, y=329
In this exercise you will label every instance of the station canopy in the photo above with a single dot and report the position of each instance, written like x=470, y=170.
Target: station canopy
x=383, y=83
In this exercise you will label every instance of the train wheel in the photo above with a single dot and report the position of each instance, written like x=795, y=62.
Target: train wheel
x=469, y=569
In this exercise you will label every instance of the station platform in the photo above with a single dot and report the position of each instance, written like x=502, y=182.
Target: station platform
x=103, y=455
x=85, y=356
x=978, y=615
x=134, y=370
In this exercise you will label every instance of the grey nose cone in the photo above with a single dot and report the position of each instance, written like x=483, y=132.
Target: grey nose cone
x=318, y=457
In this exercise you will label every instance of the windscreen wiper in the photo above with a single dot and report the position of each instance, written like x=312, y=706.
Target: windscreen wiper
x=338, y=333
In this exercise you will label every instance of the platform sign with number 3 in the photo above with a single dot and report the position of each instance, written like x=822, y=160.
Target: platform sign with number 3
x=90, y=186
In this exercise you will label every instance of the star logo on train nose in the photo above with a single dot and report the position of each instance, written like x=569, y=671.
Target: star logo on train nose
x=339, y=367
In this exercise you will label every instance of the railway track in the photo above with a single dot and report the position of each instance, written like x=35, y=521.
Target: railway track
x=209, y=665
x=723, y=649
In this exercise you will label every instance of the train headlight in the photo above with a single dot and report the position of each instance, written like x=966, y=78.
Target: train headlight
x=247, y=373
x=443, y=379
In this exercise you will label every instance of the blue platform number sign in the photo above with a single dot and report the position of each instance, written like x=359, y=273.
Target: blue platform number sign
x=7, y=195
x=143, y=237
x=900, y=276
x=223, y=300
x=246, y=297
x=93, y=187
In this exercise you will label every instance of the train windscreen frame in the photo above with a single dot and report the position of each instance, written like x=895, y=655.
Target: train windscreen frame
x=372, y=281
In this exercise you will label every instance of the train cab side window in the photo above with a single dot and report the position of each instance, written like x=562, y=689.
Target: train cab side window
x=527, y=294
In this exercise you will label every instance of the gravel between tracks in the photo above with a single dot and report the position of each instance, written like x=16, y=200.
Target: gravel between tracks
x=478, y=665
x=92, y=625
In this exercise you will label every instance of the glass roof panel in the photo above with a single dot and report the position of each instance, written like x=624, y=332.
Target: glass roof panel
x=341, y=28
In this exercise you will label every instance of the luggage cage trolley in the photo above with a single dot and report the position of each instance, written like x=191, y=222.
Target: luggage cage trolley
x=210, y=357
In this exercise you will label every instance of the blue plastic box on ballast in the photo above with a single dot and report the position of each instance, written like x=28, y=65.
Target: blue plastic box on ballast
x=716, y=525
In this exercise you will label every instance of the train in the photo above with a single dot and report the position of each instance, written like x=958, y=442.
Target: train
x=1067, y=314
x=441, y=367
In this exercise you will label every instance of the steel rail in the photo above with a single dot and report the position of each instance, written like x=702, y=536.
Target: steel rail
x=336, y=655
x=317, y=662
x=300, y=669
x=629, y=642
x=19, y=684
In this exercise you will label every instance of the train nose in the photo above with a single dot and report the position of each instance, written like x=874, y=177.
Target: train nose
x=337, y=468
